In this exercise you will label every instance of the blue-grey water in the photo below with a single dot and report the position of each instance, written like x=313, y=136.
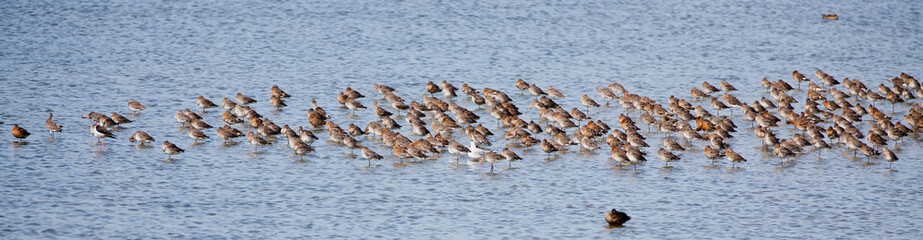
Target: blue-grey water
x=73, y=57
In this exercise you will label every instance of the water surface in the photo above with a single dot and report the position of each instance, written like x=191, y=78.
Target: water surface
x=74, y=57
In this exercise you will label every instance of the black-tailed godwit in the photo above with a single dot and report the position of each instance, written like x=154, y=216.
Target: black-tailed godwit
x=51, y=126
x=170, y=149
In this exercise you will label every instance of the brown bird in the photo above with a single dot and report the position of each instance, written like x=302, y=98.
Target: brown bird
x=712, y=153
x=119, y=119
x=619, y=155
x=181, y=118
x=306, y=136
x=204, y=103
x=718, y=105
x=51, y=126
x=354, y=130
x=868, y=152
x=135, y=106
x=316, y=118
x=302, y=149
x=522, y=85
x=141, y=137
x=666, y=156
x=256, y=140
x=616, y=218
x=230, y=118
x=244, y=100
x=708, y=88
x=634, y=155
x=199, y=124
x=491, y=158
x=370, y=155
x=170, y=149
x=552, y=92
x=727, y=87
x=196, y=135
x=400, y=152
x=528, y=141
x=547, y=147
x=228, y=104
x=696, y=93
x=352, y=93
x=781, y=152
x=672, y=145
x=227, y=132
x=733, y=157
x=510, y=156
x=189, y=113
x=432, y=88
x=607, y=94
x=535, y=90
x=448, y=89
x=889, y=156
x=20, y=133
x=588, y=102
x=457, y=149
x=276, y=91
x=277, y=102
x=354, y=105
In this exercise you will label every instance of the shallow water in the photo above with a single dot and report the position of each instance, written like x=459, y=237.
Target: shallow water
x=71, y=58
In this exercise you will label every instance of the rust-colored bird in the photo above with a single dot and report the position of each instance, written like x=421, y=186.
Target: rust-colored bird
x=20, y=133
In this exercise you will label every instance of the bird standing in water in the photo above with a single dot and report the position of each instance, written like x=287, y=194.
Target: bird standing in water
x=20, y=133
x=51, y=126
x=170, y=149
x=101, y=132
x=135, y=105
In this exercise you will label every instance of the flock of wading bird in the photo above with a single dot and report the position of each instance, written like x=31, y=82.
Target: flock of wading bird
x=828, y=113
